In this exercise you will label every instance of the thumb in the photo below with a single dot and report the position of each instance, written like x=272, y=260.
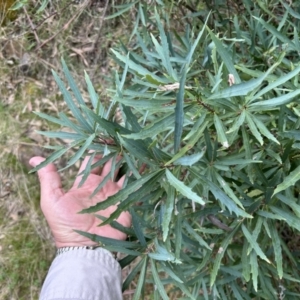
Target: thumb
x=49, y=178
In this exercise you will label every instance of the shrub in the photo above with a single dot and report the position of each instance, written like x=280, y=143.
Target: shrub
x=206, y=118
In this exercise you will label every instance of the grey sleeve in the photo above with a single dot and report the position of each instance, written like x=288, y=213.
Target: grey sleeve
x=83, y=274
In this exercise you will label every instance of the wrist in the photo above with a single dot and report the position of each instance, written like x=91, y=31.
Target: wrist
x=76, y=244
x=62, y=250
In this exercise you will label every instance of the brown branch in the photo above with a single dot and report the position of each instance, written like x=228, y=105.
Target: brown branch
x=215, y=221
x=93, y=73
x=65, y=27
x=33, y=28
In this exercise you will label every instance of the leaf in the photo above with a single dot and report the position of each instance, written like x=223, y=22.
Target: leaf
x=254, y=268
x=94, y=96
x=183, y=189
x=72, y=83
x=71, y=105
x=272, y=85
x=245, y=261
x=139, y=195
x=134, y=271
x=167, y=216
x=219, y=256
x=107, y=178
x=288, y=181
x=139, y=69
x=105, y=241
x=288, y=216
x=263, y=129
x=153, y=129
x=274, y=102
x=168, y=270
x=269, y=215
x=81, y=151
x=125, y=7
x=291, y=202
x=241, y=89
x=197, y=237
x=238, y=123
x=196, y=42
x=276, y=248
x=253, y=128
x=131, y=165
x=50, y=118
x=87, y=170
x=277, y=34
x=225, y=56
x=219, y=194
x=179, y=113
x=254, y=244
x=156, y=104
x=163, y=50
x=189, y=160
x=62, y=135
x=137, y=228
x=194, y=139
x=141, y=281
x=157, y=281
x=121, y=195
x=220, y=131
x=138, y=149
x=55, y=155
x=225, y=186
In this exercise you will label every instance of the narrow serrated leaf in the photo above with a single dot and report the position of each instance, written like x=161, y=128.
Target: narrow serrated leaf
x=121, y=195
x=133, y=272
x=179, y=113
x=253, y=128
x=254, y=268
x=169, y=206
x=183, y=189
x=218, y=258
x=220, y=195
x=141, y=282
x=71, y=105
x=276, y=248
x=254, y=244
x=274, y=102
x=54, y=156
x=189, y=160
x=228, y=61
x=81, y=151
x=220, y=131
x=157, y=281
x=288, y=181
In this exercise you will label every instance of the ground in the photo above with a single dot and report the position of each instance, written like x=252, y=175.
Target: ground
x=33, y=39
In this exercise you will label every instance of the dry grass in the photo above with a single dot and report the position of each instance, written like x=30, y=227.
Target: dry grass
x=31, y=45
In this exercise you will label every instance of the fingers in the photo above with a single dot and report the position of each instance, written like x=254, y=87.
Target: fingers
x=120, y=182
x=49, y=178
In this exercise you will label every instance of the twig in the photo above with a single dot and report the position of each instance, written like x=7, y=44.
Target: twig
x=93, y=73
x=214, y=220
x=31, y=25
x=4, y=194
x=64, y=27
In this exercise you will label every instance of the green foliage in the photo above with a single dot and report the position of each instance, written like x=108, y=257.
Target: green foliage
x=213, y=164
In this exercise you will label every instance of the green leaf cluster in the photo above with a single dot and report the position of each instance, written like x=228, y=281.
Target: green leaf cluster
x=212, y=164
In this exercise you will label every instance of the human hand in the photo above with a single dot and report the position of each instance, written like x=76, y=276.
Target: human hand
x=61, y=208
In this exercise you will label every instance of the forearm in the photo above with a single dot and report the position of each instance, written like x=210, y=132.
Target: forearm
x=83, y=275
